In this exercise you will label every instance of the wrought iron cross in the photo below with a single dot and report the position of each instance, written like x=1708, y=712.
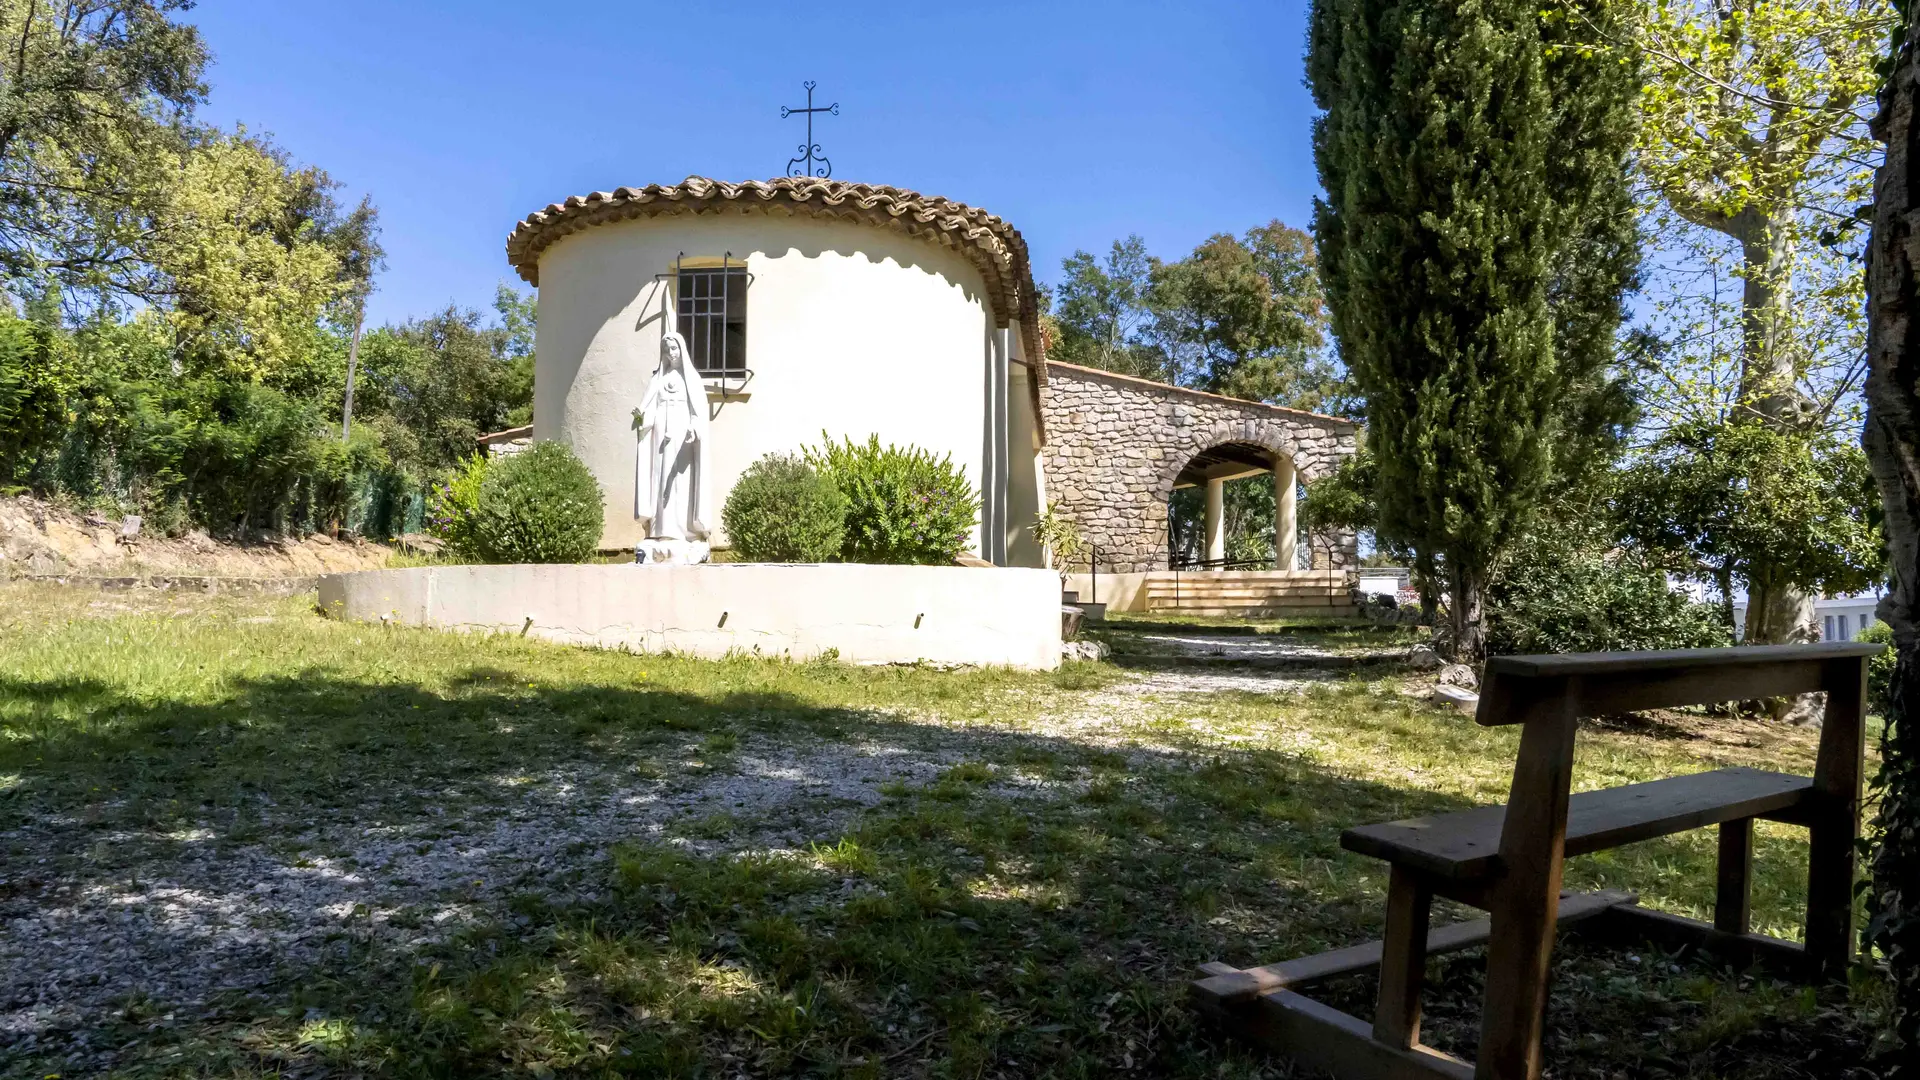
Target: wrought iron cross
x=811, y=161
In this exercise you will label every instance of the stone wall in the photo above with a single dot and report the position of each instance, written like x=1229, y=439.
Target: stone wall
x=1116, y=444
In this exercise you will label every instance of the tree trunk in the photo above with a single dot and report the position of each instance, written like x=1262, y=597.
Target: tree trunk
x=1429, y=596
x=353, y=362
x=1892, y=441
x=1723, y=580
x=1468, y=631
x=1778, y=612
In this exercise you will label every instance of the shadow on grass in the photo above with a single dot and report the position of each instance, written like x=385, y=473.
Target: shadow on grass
x=1032, y=910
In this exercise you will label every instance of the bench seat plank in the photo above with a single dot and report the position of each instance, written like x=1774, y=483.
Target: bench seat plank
x=1466, y=845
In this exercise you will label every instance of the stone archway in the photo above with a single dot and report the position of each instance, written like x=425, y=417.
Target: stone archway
x=1116, y=445
x=1230, y=455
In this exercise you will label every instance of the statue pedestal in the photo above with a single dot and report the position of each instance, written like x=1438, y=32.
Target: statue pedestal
x=662, y=552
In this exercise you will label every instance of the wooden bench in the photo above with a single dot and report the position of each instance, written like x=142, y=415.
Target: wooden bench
x=1508, y=860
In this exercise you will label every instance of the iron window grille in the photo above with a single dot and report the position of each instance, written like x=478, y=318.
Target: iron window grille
x=712, y=316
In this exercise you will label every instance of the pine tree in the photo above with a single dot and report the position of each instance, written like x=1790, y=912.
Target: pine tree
x=1476, y=239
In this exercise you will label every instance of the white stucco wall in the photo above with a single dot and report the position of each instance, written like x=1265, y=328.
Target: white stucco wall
x=867, y=614
x=851, y=329
x=1026, y=474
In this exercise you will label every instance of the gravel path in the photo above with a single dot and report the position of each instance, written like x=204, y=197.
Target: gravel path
x=90, y=920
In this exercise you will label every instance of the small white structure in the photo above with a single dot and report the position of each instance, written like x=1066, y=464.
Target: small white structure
x=808, y=307
x=1387, y=581
x=1840, y=618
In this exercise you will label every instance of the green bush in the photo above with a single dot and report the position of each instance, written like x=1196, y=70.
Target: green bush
x=783, y=510
x=1555, y=597
x=454, y=508
x=1880, y=668
x=538, y=506
x=903, y=504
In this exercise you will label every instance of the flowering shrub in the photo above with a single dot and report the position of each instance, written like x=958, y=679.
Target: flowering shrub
x=903, y=504
x=452, y=505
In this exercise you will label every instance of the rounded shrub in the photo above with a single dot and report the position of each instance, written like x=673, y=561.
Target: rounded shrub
x=538, y=506
x=903, y=504
x=783, y=510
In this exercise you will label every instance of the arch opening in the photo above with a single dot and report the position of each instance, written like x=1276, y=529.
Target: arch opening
x=1234, y=506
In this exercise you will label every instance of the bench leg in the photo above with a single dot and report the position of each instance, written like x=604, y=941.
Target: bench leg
x=1830, y=896
x=1525, y=904
x=1733, y=898
x=1403, y=960
x=1835, y=823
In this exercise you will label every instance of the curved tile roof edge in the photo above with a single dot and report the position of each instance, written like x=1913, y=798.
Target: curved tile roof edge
x=993, y=246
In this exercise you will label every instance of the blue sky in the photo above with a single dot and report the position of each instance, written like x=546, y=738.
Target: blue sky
x=1078, y=122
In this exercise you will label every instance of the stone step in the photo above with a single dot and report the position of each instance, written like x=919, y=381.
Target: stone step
x=1289, y=611
x=1245, y=590
x=1302, y=594
x=1247, y=575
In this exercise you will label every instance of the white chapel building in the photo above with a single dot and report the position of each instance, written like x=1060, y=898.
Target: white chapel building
x=818, y=309
x=809, y=306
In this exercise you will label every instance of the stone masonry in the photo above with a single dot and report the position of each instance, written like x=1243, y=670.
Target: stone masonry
x=1115, y=445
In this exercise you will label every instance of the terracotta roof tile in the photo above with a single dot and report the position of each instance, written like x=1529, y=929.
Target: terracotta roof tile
x=994, y=247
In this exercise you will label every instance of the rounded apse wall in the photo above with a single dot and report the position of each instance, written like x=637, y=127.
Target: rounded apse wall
x=850, y=329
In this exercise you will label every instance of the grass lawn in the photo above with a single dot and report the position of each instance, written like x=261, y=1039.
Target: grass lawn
x=237, y=839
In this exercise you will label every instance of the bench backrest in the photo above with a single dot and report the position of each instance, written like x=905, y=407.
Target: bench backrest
x=1549, y=695
x=1517, y=688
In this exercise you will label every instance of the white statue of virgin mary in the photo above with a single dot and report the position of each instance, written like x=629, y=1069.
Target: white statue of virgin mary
x=668, y=489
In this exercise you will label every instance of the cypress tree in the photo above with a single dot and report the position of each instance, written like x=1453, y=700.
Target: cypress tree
x=1476, y=239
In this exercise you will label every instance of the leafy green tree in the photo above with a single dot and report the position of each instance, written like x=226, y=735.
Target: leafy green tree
x=38, y=374
x=1473, y=154
x=1101, y=315
x=1755, y=146
x=1750, y=503
x=96, y=100
x=1242, y=316
x=434, y=386
x=1245, y=317
x=519, y=315
x=253, y=253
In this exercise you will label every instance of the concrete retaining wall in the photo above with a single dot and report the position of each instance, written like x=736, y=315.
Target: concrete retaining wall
x=869, y=614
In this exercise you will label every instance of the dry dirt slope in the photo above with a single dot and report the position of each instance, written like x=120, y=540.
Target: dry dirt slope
x=38, y=540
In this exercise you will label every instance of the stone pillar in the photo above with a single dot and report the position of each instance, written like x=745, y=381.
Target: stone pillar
x=1216, y=520
x=1286, y=521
